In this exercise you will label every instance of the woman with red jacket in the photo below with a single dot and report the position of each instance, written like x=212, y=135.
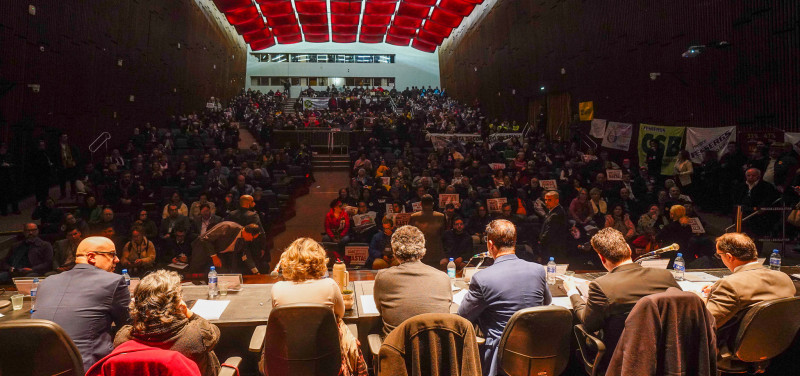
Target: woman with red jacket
x=337, y=224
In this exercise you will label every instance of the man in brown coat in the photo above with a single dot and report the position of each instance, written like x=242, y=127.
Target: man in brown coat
x=431, y=223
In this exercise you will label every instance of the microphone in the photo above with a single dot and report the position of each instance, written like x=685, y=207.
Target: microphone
x=482, y=254
x=673, y=247
x=277, y=267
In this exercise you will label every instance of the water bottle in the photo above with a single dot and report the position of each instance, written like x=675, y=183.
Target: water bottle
x=679, y=266
x=127, y=277
x=551, y=272
x=775, y=260
x=451, y=269
x=34, y=289
x=212, y=283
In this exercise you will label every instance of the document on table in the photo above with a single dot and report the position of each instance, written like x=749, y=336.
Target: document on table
x=459, y=296
x=658, y=264
x=178, y=265
x=692, y=286
x=210, y=309
x=562, y=301
x=699, y=277
x=368, y=304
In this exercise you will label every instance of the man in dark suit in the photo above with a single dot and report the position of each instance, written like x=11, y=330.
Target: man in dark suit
x=756, y=193
x=612, y=296
x=245, y=215
x=502, y=289
x=555, y=230
x=205, y=221
x=234, y=242
x=87, y=299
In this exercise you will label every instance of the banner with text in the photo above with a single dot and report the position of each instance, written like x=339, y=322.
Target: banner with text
x=314, y=103
x=671, y=140
x=701, y=140
x=598, y=129
x=618, y=136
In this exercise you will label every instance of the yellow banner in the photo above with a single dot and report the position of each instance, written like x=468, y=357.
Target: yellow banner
x=586, y=110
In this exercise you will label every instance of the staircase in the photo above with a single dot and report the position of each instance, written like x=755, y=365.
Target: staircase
x=331, y=162
x=288, y=106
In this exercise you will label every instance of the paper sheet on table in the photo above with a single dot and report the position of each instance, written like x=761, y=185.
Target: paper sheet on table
x=658, y=264
x=699, y=277
x=459, y=296
x=562, y=301
x=210, y=309
x=761, y=260
x=178, y=265
x=692, y=286
x=454, y=287
x=1, y=315
x=368, y=304
x=796, y=276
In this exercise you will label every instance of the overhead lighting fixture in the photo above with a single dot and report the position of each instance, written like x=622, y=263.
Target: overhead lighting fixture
x=693, y=51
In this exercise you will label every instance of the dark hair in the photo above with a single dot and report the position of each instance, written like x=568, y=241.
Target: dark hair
x=449, y=206
x=205, y=206
x=427, y=200
x=253, y=229
x=502, y=233
x=738, y=245
x=335, y=203
x=611, y=244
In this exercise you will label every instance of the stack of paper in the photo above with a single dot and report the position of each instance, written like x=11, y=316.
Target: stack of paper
x=368, y=304
x=563, y=301
x=699, y=277
x=210, y=309
x=459, y=296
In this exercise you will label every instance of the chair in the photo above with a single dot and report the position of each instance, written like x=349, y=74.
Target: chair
x=300, y=339
x=765, y=331
x=430, y=344
x=37, y=347
x=592, y=350
x=536, y=341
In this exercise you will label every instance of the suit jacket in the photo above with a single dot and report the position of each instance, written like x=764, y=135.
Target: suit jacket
x=410, y=289
x=197, y=223
x=613, y=295
x=225, y=236
x=555, y=232
x=432, y=226
x=85, y=301
x=244, y=217
x=496, y=293
x=64, y=254
x=749, y=284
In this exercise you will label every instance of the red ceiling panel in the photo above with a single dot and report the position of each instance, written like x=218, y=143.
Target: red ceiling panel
x=413, y=10
x=430, y=37
x=370, y=38
x=376, y=20
x=435, y=28
x=421, y=2
x=344, y=29
x=382, y=1
x=407, y=22
x=344, y=19
x=397, y=41
x=258, y=35
x=238, y=16
x=423, y=46
x=446, y=18
x=286, y=30
x=402, y=32
x=346, y=6
x=270, y=8
x=379, y=9
x=311, y=6
x=282, y=20
x=317, y=38
x=474, y=1
x=314, y=19
x=459, y=7
x=262, y=44
x=344, y=38
x=289, y=39
x=315, y=29
x=373, y=30
x=250, y=26
x=226, y=6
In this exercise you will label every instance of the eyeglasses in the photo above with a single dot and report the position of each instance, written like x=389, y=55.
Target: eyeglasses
x=112, y=254
x=718, y=255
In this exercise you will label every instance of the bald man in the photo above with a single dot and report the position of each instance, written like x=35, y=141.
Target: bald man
x=87, y=299
x=245, y=215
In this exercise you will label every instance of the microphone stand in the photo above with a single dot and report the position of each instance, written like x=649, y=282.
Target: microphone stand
x=646, y=257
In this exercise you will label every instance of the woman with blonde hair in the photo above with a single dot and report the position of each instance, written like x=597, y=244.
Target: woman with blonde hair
x=160, y=318
x=677, y=231
x=304, y=266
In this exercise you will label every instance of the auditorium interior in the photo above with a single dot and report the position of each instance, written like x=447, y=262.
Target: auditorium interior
x=471, y=187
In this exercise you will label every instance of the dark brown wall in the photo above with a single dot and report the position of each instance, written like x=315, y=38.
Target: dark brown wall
x=71, y=49
x=608, y=49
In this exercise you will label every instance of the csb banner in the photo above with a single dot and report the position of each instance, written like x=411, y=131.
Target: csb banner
x=671, y=140
x=701, y=140
x=315, y=103
x=618, y=136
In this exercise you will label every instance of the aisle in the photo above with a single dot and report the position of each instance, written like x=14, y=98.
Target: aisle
x=311, y=210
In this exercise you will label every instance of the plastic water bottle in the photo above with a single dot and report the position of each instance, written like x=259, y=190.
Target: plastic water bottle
x=34, y=290
x=775, y=260
x=212, y=283
x=551, y=272
x=127, y=277
x=679, y=266
x=451, y=269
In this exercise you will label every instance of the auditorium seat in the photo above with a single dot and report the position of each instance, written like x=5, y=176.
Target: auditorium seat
x=765, y=331
x=37, y=347
x=536, y=342
x=312, y=349
x=592, y=350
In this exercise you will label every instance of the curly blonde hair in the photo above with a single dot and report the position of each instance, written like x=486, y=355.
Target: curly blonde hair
x=156, y=301
x=304, y=259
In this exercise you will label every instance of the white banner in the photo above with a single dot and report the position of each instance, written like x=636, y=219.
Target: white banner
x=598, y=128
x=320, y=103
x=700, y=140
x=618, y=136
x=793, y=139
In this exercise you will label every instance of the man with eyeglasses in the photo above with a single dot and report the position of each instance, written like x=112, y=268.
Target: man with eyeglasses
x=87, y=299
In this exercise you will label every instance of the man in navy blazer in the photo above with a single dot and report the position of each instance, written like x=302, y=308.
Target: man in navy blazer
x=502, y=289
x=87, y=299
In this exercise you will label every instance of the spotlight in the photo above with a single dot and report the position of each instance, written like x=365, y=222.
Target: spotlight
x=693, y=51
x=541, y=88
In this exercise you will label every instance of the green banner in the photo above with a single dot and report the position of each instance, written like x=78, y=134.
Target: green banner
x=671, y=140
